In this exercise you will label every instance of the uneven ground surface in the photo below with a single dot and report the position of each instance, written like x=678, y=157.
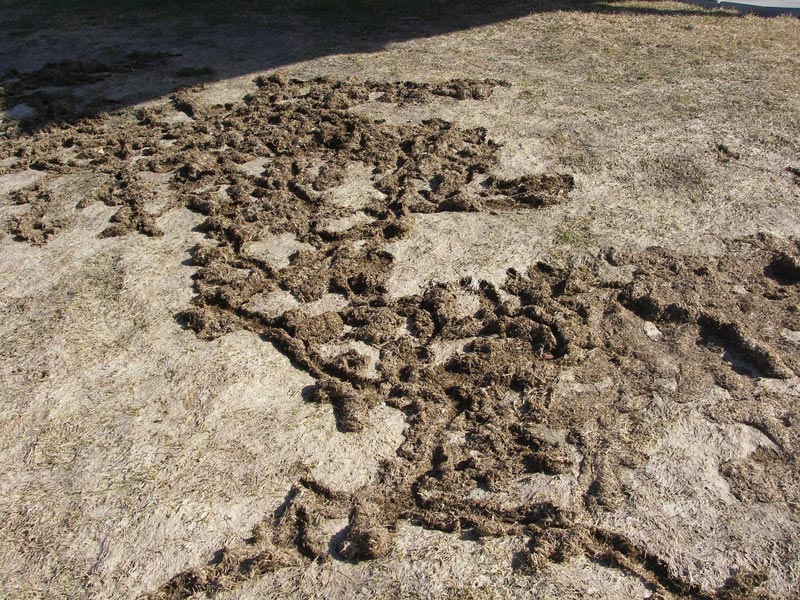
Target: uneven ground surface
x=363, y=300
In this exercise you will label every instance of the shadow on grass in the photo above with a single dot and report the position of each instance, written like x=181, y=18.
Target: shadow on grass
x=109, y=54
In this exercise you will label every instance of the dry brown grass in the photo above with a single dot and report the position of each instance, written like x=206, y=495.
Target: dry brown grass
x=131, y=450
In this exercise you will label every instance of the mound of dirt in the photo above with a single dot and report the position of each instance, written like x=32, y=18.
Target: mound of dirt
x=485, y=417
x=475, y=368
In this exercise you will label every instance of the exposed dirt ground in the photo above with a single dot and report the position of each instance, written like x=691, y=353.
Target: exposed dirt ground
x=353, y=300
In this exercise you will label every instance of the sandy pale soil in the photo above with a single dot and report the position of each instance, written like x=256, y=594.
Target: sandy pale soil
x=399, y=300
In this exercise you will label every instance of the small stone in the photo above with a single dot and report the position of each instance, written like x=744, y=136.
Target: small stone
x=652, y=331
x=21, y=112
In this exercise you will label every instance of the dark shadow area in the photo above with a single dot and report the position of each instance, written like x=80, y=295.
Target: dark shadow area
x=745, y=356
x=59, y=60
x=784, y=268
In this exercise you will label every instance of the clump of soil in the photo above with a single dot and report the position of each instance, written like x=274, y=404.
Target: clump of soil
x=478, y=370
x=410, y=92
x=37, y=225
x=351, y=405
x=50, y=89
x=537, y=190
x=132, y=198
x=726, y=154
x=367, y=536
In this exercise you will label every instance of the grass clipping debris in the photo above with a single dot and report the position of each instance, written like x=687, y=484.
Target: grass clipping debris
x=483, y=416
